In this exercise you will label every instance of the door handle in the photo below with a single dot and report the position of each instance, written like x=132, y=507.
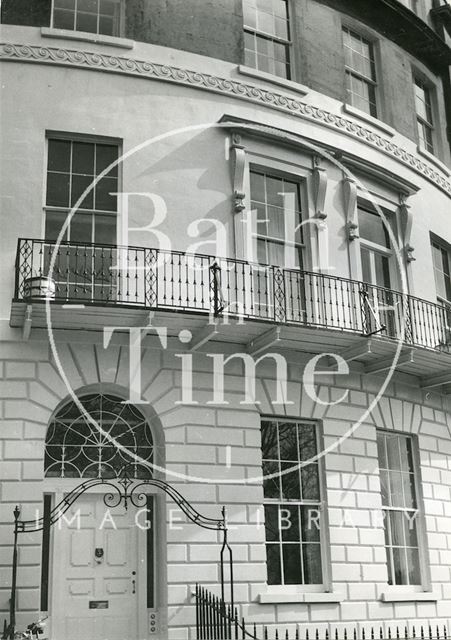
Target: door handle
x=133, y=586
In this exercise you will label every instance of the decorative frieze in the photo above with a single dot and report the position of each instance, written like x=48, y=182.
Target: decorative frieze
x=235, y=88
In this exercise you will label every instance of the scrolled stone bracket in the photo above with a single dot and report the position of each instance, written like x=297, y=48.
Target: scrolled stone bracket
x=238, y=156
x=319, y=190
x=406, y=218
x=350, y=206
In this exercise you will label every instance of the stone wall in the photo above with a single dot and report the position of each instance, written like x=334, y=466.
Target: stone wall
x=196, y=437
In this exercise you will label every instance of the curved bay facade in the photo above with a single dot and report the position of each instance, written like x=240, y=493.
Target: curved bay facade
x=226, y=258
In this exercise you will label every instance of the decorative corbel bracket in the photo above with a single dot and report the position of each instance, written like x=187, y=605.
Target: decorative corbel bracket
x=406, y=218
x=238, y=154
x=350, y=204
x=319, y=190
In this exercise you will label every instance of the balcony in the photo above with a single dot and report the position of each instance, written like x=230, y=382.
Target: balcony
x=231, y=301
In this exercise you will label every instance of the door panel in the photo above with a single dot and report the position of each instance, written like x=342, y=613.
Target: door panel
x=98, y=591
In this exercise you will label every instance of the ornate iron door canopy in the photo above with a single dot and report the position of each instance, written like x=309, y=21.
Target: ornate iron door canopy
x=127, y=490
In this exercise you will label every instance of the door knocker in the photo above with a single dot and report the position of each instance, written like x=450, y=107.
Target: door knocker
x=98, y=553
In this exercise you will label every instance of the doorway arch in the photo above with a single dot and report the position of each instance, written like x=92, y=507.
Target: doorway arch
x=109, y=557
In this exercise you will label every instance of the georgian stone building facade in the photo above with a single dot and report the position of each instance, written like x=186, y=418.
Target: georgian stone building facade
x=226, y=258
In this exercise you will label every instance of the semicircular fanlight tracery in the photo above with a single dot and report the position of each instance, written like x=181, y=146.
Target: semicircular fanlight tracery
x=99, y=441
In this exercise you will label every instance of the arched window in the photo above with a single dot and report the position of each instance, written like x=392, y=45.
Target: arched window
x=77, y=448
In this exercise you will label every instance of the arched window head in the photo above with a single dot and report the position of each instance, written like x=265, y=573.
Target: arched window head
x=98, y=442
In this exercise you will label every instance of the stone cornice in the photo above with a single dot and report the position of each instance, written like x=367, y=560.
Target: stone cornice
x=234, y=88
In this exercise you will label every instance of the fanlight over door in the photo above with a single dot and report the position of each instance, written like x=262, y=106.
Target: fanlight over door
x=96, y=437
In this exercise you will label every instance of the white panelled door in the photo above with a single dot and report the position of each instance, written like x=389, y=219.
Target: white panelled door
x=99, y=588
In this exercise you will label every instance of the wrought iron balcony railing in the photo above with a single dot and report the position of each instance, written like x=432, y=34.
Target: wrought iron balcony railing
x=156, y=279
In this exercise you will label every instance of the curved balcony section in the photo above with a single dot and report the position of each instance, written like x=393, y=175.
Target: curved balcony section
x=106, y=279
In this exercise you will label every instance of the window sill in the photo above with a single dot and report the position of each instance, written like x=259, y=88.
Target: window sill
x=434, y=160
x=409, y=596
x=361, y=115
x=84, y=36
x=269, y=77
x=305, y=598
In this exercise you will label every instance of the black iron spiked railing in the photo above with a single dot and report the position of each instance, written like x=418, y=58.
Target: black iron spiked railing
x=216, y=620
x=157, y=279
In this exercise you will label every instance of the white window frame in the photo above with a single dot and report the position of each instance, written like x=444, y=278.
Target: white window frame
x=429, y=92
x=277, y=39
x=375, y=247
x=321, y=505
x=77, y=137
x=293, y=173
x=423, y=555
x=120, y=29
x=444, y=246
x=372, y=82
x=289, y=256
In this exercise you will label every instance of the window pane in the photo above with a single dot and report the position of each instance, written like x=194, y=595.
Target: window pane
x=310, y=482
x=381, y=451
x=290, y=481
x=58, y=189
x=87, y=22
x=307, y=441
x=366, y=265
x=269, y=440
x=289, y=523
x=396, y=483
x=271, y=485
x=107, y=26
x=400, y=566
x=109, y=7
x=88, y=6
x=257, y=186
x=273, y=563
x=83, y=158
x=373, y=228
x=281, y=28
x=274, y=188
x=105, y=229
x=394, y=459
x=64, y=4
x=311, y=524
x=413, y=563
x=265, y=22
x=63, y=19
x=409, y=491
x=53, y=224
x=272, y=522
x=104, y=200
x=397, y=528
x=80, y=185
x=385, y=488
x=59, y=155
x=105, y=156
x=292, y=568
x=288, y=442
x=410, y=528
x=81, y=227
x=249, y=15
x=313, y=571
x=382, y=270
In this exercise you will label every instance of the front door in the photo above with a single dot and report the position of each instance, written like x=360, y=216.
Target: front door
x=99, y=587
